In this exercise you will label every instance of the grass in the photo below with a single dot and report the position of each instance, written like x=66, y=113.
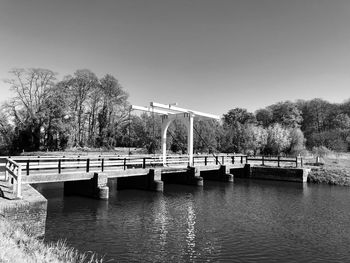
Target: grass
x=88, y=151
x=333, y=169
x=16, y=246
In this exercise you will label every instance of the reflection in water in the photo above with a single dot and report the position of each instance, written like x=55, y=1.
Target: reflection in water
x=161, y=225
x=191, y=235
x=248, y=221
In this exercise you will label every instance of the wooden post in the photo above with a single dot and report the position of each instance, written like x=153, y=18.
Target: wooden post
x=241, y=159
x=233, y=160
x=59, y=166
x=144, y=163
x=102, y=164
x=262, y=159
x=301, y=162
x=278, y=161
x=27, y=168
x=19, y=183
x=296, y=161
x=216, y=160
x=124, y=163
x=205, y=160
x=246, y=159
x=87, y=165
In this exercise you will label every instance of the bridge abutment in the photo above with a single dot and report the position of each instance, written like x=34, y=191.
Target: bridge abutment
x=96, y=187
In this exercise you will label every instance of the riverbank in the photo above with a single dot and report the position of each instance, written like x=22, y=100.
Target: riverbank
x=330, y=176
x=16, y=245
x=334, y=170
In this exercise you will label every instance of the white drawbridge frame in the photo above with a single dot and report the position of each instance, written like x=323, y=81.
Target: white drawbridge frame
x=171, y=112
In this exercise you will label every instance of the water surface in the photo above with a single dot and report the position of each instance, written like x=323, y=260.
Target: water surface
x=247, y=221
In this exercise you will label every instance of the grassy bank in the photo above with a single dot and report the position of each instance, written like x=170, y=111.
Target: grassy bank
x=334, y=176
x=16, y=246
x=88, y=152
x=333, y=169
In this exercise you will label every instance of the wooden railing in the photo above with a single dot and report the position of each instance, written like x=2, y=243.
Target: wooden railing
x=278, y=160
x=58, y=165
x=104, y=163
x=13, y=172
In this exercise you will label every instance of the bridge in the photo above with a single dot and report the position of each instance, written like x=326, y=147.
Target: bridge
x=146, y=172
x=31, y=170
x=90, y=175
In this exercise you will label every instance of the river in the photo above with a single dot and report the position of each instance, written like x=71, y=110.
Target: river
x=247, y=221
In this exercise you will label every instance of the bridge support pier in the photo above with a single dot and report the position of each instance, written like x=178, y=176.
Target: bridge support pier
x=96, y=187
x=241, y=172
x=190, y=177
x=222, y=174
x=150, y=182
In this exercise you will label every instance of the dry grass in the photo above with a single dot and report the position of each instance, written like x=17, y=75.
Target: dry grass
x=16, y=246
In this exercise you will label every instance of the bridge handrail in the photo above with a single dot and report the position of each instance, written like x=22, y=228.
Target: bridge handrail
x=101, y=162
x=14, y=170
x=86, y=162
x=277, y=159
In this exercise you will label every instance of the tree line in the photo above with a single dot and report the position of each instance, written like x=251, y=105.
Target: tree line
x=84, y=111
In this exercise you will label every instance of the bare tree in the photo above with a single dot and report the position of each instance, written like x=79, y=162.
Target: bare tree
x=31, y=87
x=81, y=85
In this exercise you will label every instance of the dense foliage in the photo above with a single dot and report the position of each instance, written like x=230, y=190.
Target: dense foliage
x=84, y=111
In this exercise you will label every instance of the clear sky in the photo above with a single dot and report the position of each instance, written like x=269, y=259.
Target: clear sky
x=207, y=55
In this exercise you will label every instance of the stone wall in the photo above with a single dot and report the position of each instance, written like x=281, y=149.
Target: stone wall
x=281, y=174
x=29, y=212
x=271, y=173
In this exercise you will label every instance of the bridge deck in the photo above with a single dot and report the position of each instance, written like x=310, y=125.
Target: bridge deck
x=81, y=175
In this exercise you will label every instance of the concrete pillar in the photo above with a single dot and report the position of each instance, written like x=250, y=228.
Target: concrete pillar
x=241, y=172
x=150, y=182
x=188, y=177
x=222, y=174
x=247, y=170
x=193, y=177
x=225, y=175
x=154, y=181
x=96, y=187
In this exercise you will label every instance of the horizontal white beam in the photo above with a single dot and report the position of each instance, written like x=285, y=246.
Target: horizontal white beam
x=175, y=109
x=148, y=109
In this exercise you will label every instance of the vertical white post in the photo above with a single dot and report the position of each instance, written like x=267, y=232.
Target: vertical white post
x=19, y=182
x=190, y=139
x=164, y=144
x=165, y=125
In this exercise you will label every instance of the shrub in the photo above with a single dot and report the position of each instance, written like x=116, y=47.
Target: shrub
x=321, y=151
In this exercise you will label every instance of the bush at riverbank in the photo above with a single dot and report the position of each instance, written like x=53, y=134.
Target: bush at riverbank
x=333, y=169
x=17, y=246
x=328, y=175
